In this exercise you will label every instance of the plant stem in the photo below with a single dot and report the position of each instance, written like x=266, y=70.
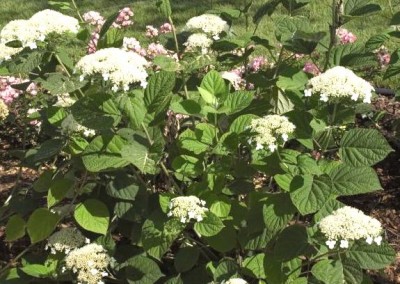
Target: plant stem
x=337, y=6
x=174, y=33
x=77, y=10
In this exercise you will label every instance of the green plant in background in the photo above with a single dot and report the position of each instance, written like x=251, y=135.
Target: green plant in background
x=190, y=160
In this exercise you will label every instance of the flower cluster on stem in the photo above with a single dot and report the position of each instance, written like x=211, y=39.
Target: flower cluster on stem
x=187, y=208
x=350, y=224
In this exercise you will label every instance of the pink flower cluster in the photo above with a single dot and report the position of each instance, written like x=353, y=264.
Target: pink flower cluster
x=155, y=49
x=311, y=68
x=383, y=56
x=257, y=63
x=8, y=94
x=124, y=18
x=96, y=19
x=345, y=36
x=93, y=18
x=152, y=32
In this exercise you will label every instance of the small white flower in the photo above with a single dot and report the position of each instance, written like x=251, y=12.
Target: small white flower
x=191, y=214
x=307, y=92
x=378, y=240
x=259, y=146
x=94, y=271
x=90, y=263
x=199, y=218
x=183, y=219
x=324, y=98
x=106, y=76
x=331, y=244
x=104, y=274
x=344, y=243
x=285, y=137
x=369, y=240
x=272, y=147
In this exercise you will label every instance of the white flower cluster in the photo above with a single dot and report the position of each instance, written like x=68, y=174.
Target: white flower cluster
x=86, y=132
x=38, y=27
x=89, y=262
x=337, y=83
x=235, y=281
x=348, y=223
x=121, y=67
x=64, y=100
x=6, y=52
x=209, y=24
x=65, y=240
x=198, y=41
x=3, y=110
x=269, y=128
x=186, y=208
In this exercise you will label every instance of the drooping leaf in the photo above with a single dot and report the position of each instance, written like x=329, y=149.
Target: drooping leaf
x=41, y=224
x=15, y=228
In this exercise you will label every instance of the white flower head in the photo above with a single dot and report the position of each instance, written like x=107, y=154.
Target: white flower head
x=121, y=67
x=339, y=83
x=89, y=262
x=7, y=52
x=350, y=224
x=3, y=110
x=187, y=208
x=210, y=24
x=65, y=240
x=38, y=27
x=269, y=129
x=198, y=41
x=236, y=281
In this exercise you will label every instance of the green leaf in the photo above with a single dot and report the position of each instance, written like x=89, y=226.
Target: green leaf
x=238, y=101
x=187, y=165
x=37, y=270
x=295, y=82
x=352, y=272
x=107, y=25
x=394, y=65
x=158, y=234
x=363, y=147
x=214, y=84
x=376, y=41
x=158, y=90
x=281, y=103
x=189, y=142
x=165, y=8
x=303, y=42
x=329, y=271
x=372, y=256
x=167, y=63
x=240, y=124
x=104, y=153
x=351, y=181
x=291, y=242
x=225, y=270
x=141, y=270
x=255, y=265
x=266, y=9
x=224, y=241
x=139, y=155
x=49, y=149
x=55, y=115
x=186, y=258
x=43, y=183
x=188, y=107
x=330, y=206
x=135, y=110
x=123, y=186
x=278, y=211
x=211, y=225
x=360, y=8
x=93, y=216
x=221, y=207
x=58, y=190
x=96, y=111
x=26, y=63
x=41, y=224
x=15, y=228
x=57, y=83
x=309, y=193
x=208, y=97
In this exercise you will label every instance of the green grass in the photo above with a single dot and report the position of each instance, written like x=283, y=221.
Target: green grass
x=318, y=12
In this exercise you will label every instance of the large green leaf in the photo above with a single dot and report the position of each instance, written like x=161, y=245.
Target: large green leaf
x=104, y=153
x=187, y=165
x=141, y=270
x=123, y=186
x=57, y=83
x=238, y=101
x=41, y=224
x=303, y=42
x=347, y=180
x=158, y=90
x=278, y=210
x=15, y=228
x=291, y=242
x=96, y=111
x=93, y=216
x=186, y=258
x=360, y=7
x=58, y=190
x=224, y=241
x=139, y=155
x=215, y=85
x=363, y=147
x=309, y=193
x=255, y=265
x=372, y=256
x=49, y=149
x=352, y=272
x=210, y=226
x=329, y=271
